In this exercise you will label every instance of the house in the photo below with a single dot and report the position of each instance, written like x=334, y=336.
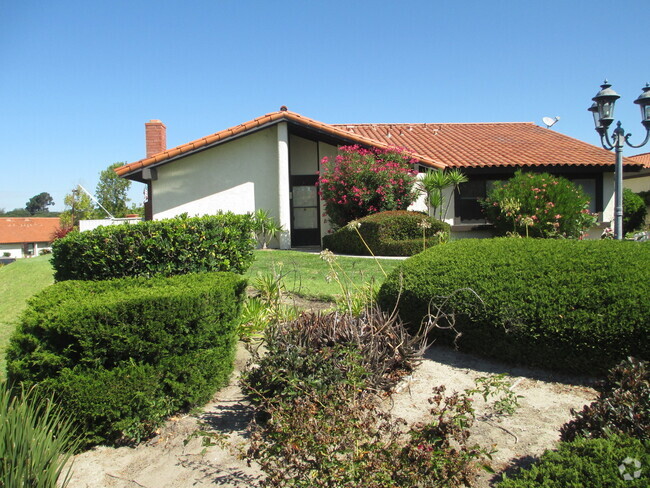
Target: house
x=26, y=236
x=272, y=162
x=639, y=180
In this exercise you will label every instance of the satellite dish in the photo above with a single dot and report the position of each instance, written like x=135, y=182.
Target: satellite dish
x=549, y=121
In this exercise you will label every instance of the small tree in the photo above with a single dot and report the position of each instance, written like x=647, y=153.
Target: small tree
x=433, y=183
x=39, y=203
x=361, y=182
x=111, y=191
x=538, y=205
x=79, y=206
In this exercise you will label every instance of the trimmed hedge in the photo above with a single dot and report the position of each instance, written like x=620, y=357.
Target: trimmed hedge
x=392, y=233
x=577, y=306
x=588, y=463
x=120, y=355
x=223, y=242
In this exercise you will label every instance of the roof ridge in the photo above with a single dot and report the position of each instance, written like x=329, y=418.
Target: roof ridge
x=434, y=123
x=253, y=124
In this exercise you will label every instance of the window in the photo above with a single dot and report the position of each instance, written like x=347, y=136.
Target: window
x=588, y=185
x=468, y=197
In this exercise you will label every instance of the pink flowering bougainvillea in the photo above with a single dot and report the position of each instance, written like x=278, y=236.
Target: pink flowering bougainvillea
x=360, y=182
x=539, y=205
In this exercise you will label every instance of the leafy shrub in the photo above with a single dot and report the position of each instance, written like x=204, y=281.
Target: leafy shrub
x=365, y=181
x=538, y=205
x=36, y=441
x=393, y=233
x=344, y=439
x=622, y=407
x=323, y=426
x=588, y=463
x=645, y=195
x=313, y=352
x=165, y=247
x=634, y=211
x=578, y=306
x=122, y=354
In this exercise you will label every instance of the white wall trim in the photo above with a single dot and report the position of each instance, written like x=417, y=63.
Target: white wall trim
x=283, y=185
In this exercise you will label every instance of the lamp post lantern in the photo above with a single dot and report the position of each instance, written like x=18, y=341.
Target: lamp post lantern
x=603, y=111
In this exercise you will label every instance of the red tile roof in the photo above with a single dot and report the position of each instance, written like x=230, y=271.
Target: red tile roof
x=16, y=230
x=489, y=144
x=436, y=145
x=643, y=159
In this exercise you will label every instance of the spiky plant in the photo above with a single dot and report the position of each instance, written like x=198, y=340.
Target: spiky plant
x=36, y=440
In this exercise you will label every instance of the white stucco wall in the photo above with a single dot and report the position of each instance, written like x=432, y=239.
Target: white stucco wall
x=608, y=199
x=15, y=250
x=639, y=184
x=238, y=176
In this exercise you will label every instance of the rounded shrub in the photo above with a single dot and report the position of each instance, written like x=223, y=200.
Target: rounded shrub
x=120, y=355
x=578, y=306
x=588, y=463
x=634, y=211
x=392, y=233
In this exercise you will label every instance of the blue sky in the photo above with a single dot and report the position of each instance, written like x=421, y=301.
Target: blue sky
x=78, y=80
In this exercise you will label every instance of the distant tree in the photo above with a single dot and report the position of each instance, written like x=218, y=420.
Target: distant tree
x=79, y=206
x=111, y=191
x=16, y=212
x=39, y=203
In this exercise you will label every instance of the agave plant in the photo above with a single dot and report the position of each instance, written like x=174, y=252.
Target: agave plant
x=434, y=182
x=36, y=441
x=265, y=227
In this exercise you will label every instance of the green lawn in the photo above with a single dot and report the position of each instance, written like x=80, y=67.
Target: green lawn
x=305, y=273
x=19, y=281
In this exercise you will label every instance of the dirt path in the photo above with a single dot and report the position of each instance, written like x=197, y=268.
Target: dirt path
x=166, y=462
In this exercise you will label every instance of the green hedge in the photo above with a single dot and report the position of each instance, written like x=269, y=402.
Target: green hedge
x=392, y=233
x=122, y=354
x=223, y=242
x=578, y=306
x=588, y=463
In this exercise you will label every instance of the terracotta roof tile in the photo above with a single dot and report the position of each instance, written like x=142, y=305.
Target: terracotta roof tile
x=489, y=144
x=643, y=159
x=16, y=230
x=436, y=144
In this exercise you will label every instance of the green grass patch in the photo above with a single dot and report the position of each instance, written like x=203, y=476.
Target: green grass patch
x=305, y=274
x=18, y=282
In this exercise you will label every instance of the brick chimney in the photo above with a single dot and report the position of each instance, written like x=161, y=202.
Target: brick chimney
x=155, y=136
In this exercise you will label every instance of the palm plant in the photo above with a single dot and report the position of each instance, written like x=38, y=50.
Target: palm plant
x=433, y=183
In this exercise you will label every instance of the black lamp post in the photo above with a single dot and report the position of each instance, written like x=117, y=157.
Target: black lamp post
x=603, y=112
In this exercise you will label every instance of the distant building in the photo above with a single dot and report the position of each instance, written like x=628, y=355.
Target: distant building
x=26, y=236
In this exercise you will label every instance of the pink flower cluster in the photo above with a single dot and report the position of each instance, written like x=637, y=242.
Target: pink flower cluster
x=362, y=181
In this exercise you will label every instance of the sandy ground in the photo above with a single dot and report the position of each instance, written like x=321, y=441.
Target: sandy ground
x=168, y=462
